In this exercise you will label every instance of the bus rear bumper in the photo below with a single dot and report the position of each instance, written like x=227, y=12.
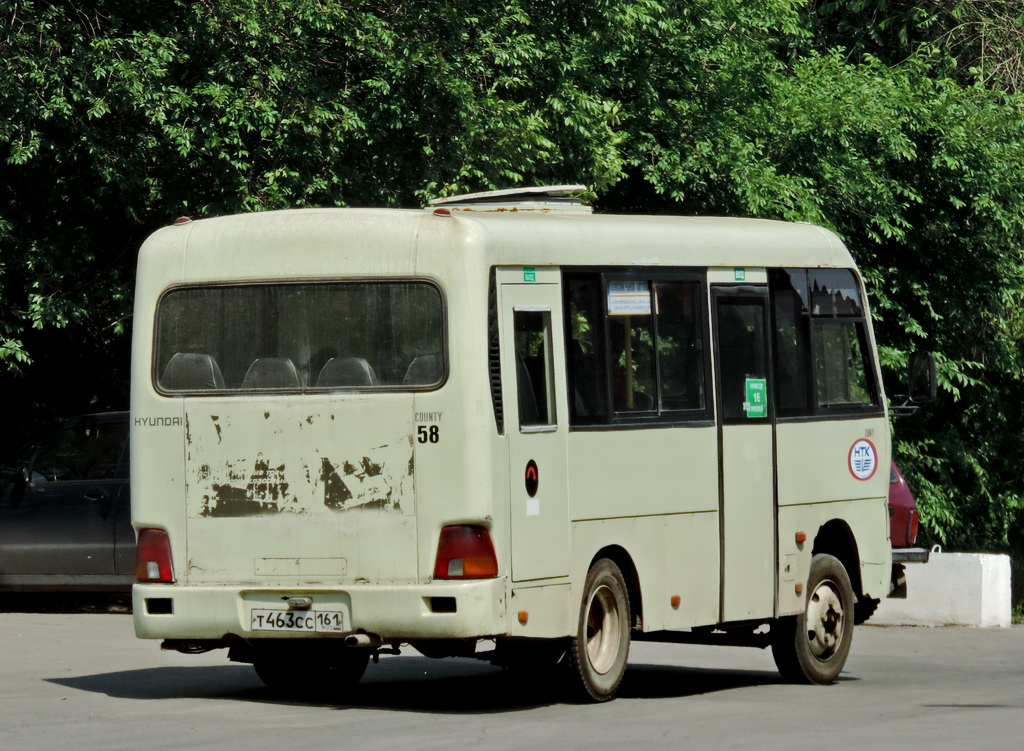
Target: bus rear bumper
x=394, y=612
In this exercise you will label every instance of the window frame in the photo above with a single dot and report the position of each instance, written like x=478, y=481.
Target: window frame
x=657, y=417
x=550, y=412
x=301, y=390
x=813, y=409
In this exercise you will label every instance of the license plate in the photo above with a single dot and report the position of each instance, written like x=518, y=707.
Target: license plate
x=319, y=621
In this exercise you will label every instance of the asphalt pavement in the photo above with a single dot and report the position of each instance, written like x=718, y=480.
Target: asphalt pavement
x=78, y=679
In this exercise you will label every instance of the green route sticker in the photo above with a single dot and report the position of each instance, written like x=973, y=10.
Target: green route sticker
x=529, y=274
x=739, y=275
x=756, y=404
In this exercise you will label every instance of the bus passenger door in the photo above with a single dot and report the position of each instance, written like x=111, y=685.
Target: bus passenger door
x=746, y=453
x=536, y=420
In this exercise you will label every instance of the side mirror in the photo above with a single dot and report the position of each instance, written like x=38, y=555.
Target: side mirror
x=922, y=385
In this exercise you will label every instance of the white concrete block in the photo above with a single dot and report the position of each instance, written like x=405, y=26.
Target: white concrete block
x=952, y=589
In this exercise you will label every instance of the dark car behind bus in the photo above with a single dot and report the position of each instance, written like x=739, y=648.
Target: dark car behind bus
x=65, y=518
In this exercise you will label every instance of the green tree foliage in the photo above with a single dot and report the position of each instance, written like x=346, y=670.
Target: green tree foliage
x=977, y=37
x=895, y=123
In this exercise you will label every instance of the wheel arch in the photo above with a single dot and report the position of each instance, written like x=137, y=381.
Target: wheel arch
x=621, y=558
x=835, y=538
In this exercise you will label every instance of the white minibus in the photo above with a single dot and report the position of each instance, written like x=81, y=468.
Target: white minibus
x=504, y=427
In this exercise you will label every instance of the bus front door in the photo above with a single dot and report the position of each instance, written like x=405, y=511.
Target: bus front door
x=747, y=495
x=536, y=420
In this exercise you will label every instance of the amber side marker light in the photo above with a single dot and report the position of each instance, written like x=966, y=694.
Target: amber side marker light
x=153, y=557
x=465, y=551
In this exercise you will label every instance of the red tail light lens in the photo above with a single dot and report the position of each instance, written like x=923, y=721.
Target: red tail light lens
x=153, y=557
x=465, y=551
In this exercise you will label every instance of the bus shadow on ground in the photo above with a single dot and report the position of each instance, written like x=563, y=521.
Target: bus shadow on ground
x=414, y=684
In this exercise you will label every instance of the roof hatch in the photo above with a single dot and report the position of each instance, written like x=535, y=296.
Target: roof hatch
x=541, y=198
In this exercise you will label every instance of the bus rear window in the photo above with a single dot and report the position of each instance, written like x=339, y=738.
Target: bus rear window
x=300, y=337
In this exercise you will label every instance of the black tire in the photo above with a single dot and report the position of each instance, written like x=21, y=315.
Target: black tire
x=305, y=672
x=812, y=647
x=600, y=650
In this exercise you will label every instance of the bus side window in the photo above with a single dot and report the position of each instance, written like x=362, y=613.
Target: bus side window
x=631, y=344
x=822, y=361
x=791, y=340
x=635, y=347
x=534, y=367
x=680, y=355
x=842, y=378
x=843, y=370
x=585, y=341
x=742, y=353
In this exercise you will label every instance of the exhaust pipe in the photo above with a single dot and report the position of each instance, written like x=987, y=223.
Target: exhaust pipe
x=363, y=640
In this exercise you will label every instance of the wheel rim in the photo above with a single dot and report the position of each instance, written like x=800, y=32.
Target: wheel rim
x=604, y=632
x=825, y=620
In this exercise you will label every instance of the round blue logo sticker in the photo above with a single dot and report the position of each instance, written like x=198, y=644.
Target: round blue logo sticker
x=863, y=459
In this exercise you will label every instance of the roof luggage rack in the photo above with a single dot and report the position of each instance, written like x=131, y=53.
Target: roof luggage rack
x=541, y=198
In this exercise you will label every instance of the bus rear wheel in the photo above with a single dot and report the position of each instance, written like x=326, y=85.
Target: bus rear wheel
x=812, y=647
x=307, y=672
x=600, y=650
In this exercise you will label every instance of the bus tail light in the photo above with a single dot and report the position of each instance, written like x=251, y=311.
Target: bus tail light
x=465, y=551
x=153, y=557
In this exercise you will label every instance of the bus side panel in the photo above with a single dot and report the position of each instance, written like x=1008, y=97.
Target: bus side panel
x=666, y=479
x=673, y=555
x=462, y=466
x=814, y=460
x=866, y=514
x=618, y=473
x=544, y=611
x=816, y=484
x=157, y=424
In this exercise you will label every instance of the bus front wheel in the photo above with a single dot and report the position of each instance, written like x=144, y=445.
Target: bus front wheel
x=598, y=654
x=812, y=647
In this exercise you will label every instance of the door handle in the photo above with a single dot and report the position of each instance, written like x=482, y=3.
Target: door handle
x=95, y=496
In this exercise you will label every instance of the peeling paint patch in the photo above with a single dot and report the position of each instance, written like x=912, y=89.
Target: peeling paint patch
x=267, y=483
x=231, y=501
x=371, y=469
x=267, y=465
x=265, y=492
x=336, y=493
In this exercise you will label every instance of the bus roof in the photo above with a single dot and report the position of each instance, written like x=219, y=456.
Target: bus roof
x=313, y=242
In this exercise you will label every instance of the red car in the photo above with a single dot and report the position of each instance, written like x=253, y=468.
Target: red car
x=903, y=516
